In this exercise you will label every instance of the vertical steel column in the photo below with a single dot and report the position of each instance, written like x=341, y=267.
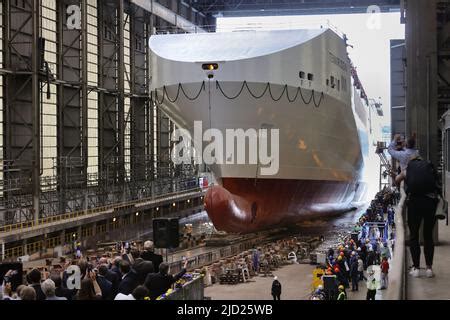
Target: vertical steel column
x=7, y=139
x=101, y=100
x=84, y=89
x=151, y=107
x=121, y=92
x=6, y=65
x=60, y=99
x=421, y=104
x=3, y=250
x=36, y=111
x=133, y=130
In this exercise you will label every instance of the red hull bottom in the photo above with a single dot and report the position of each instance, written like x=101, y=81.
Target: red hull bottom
x=244, y=206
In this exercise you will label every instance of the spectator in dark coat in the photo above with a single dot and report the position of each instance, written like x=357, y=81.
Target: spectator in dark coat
x=143, y=268
x=129, y=280
x=116, y=268
x=149, y=255
x=34, y=280
x=354, y=274
x=60, y=291
x=90, y=290
x=104, y=284
x=371, y=257
x=111, y=276
x=276, y=289
x=159, y=283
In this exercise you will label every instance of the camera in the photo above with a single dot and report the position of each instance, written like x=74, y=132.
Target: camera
x=12, y=274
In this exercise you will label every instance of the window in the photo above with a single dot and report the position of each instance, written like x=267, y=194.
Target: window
x=301, y=75
x=339, y=85
x=101, y=228
x=343, y=83
x=333, y=84
x=310, y=77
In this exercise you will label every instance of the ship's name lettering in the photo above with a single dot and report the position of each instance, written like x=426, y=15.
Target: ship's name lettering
x=341, y=64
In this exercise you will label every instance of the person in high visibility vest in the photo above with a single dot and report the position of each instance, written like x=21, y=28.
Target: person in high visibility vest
x=342, y=295
x=372, y=285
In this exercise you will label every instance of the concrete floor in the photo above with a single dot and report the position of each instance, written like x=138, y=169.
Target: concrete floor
x=436, y=288
x=296, y=282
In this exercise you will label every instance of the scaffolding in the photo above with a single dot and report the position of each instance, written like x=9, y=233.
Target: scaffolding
x=386, y=170
x=78, y=129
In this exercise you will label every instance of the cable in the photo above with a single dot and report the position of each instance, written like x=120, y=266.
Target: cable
x=179, y=89
x=296, y=95
x=268, y=87
x=303, y=98
x=255, y=96
x=226, y=96
x=202, y=88
x=320, y=100
x=167, y=94
x=281, y=95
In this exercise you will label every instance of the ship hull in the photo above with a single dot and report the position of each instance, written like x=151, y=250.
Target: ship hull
x=246, y=205
x=309, y=100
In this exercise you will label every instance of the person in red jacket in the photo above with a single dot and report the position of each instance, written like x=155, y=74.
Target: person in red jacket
x=384, y=273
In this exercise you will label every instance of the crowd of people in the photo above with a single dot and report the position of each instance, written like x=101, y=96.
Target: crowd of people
x=127, y=275
x=367, y=247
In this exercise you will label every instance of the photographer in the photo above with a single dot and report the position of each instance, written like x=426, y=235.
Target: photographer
x=403, y=155
x=11, y=284
x=6, y=286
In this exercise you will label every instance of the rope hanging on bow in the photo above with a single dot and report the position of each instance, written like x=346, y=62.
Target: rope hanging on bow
x=268, y=87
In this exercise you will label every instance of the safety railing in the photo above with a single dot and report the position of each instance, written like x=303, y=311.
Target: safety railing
x=193, y=290
x=396, y=289
x=370, y=230
x=72, y=215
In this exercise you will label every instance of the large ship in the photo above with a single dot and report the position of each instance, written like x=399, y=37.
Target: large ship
x=298, y=81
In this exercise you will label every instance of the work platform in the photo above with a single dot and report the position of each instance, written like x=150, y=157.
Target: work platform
x=111, y=220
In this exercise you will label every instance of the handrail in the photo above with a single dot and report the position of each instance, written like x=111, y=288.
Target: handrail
x=396, y=289
x=76, y=214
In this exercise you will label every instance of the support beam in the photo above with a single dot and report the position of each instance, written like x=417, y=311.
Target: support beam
x=168, y=15
x=84, y=90
x=121, y=92
x=36, y=105
x=421, y=99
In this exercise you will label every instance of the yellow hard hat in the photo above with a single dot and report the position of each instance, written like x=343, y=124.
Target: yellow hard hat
x=341, y=287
